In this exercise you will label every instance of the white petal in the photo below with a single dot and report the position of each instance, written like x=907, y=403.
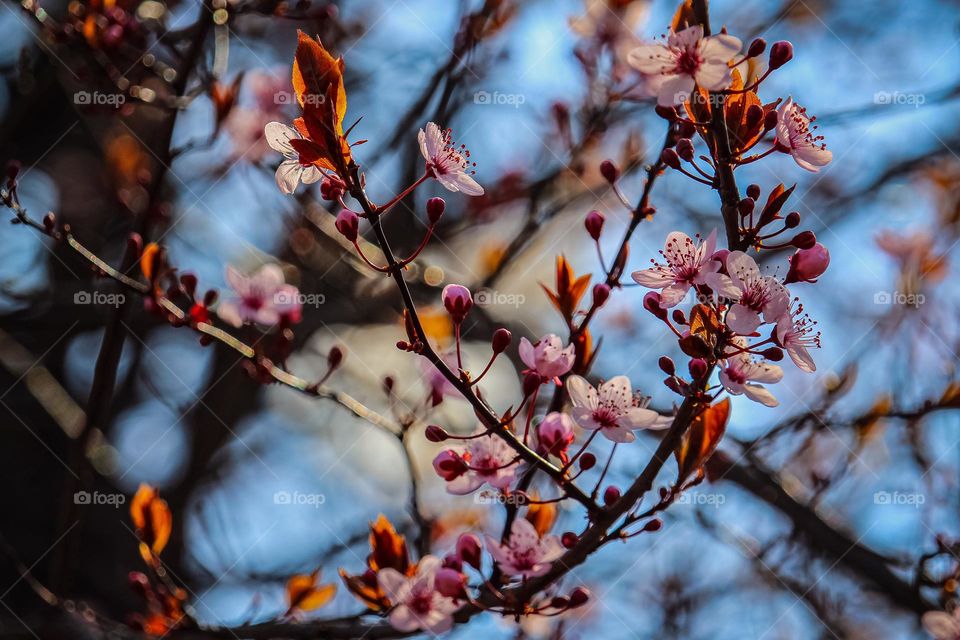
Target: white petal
x=758, y=394
x=278, y=136
x=468, y=185
x=688, y=38
x=801, y=357
x=941, y=625
x=637, y=418
x=742, y=268
x=310, y=174
x=393, y=584
x=714, y=76
x=288, y=176
x=617, y=434
x=652, y=59
x=653, y=278
x=762, y=372
x=582, y=393
x=742, y=320
x=674, y=294
x=812, y=158
x=720, y=48
x=617, y=392
x=676, y=89
x=527, y=354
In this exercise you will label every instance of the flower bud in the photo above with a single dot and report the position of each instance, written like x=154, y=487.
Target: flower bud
x=746, y=206
x=754, y=116
x=654, y=525
x=770, y=120
x=569, y=539
x=450, y=583
x=587, y=461
x=609, y=171
x=651, y=302
x=780, y=54
x=334, y=357
x=332, y=188
x=670, y=158
x=457, y=301
x=610, y=495
x=772, y=354
x=686, y=129
x=579, y=597
x=806, y=265
x=678, y=316
x=559, y=602
x=753, y=191
x=531, y=382
x=435, y=433
x=594, y=224
x=555, y=433
x=449, y=465
x=757, y=47
x=469, y=549
x=685, y=149
x=189, y=283
x=600, y=294
x=792, y=220
x=435, y=209
x=804, y=240
x=501, y=340
x=49, y=221
x=697, y=368
x=348, y=224
x=666, y=365
x=667, y=113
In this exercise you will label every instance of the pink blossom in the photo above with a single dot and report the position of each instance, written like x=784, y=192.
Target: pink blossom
x=795, y=136
x=687, y=59
x=740, y=370
x=262, y=298
x=548, y=357
x=795, y=333
x=449, y=164
x=806, y=265
x=754, y=294
x=457, y=301
x=485, y=459
x=438, y=383
x=417, y=604
x=685, y=264
x=555, y=434
x=271, y=91
x=291, y=171
x=612, y=409
x=469, y=549
x=942, y=625
x=525, y=554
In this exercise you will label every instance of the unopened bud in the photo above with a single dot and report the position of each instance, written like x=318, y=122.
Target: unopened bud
x=772, y=354
x=666, y=365
x=678, y=316
x=531, y=382
x=804, y=240
x=754, y=116
x=780, y=54
x=435, y=433
x=792, y=220
x=610, y=495
x=609, y=171
x=348, y=224
x=594, y=224
x=753, y=191
x=653, y=525
x=189, y=283
x=587, y=461
x=435, y=209
x=569, y=539
x=49, y=222
x=501, y=340
x=757, y=47
x=686, y=129
x=770, y=120
x=600, y=294
x=670, y=158
x=334, y=357
x=806, y=265
x=698, y=368
x=579, y=597
x=667, y=113
x=746, y=206
x=457, y=301
x=685, y=149
x=651, y=302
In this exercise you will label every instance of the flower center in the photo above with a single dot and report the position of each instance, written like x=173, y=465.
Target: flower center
x=688, y=62
x=606, y=417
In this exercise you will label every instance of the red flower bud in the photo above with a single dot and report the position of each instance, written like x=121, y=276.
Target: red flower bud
x=697, y=367
x=773, y=354
x=757, y=47
x=651, y=302
x=654, y=525
x=770, y=120
x=666, y=365
x=670, y=158
x=600, y=294
x=667, y=113
x=685, y=149
x=579, y=597
x=610, y=495
x=806, y=265
x=449, y=465
x=348, y=224
x=587, y=461
x=792, y=220
x=804, y=240
x=469, y=550
x=501, y=340
x=569, y=539
x=609, y=171
x=531, y=382
x=332, y=188
x=594, y=224
x=746, y=206
x=780, y=54
x=686, y=129
x=458, y=301
x=435, y=209
x=753, y=191
x=334, y=357
x=436, y=434
x=450, y=583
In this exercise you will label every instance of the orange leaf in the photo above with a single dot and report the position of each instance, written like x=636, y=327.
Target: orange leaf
x=701, y=439
x=684, y=16
x=304, y=594
x=387, y=547
x=542, y=516
x=315, y=71
x=148, y=260
x=153, y=521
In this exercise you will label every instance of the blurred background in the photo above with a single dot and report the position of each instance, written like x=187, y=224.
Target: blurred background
x=830, y=516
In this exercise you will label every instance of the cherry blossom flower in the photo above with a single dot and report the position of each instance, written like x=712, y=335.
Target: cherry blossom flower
x=686, y=263
x=687, y=59
x=245, y=124
x=449, y=164
x=806, y=265
x=795, y=136
x=795, y=333
x=942, y=625
x=555, y=434
x=611, y=408
x=486, y=459
x=525, y=554
x=292, y=171
x=740, y=370
x=417, y=604
x=548, y=357
x=753, y=293
x=262, y=298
